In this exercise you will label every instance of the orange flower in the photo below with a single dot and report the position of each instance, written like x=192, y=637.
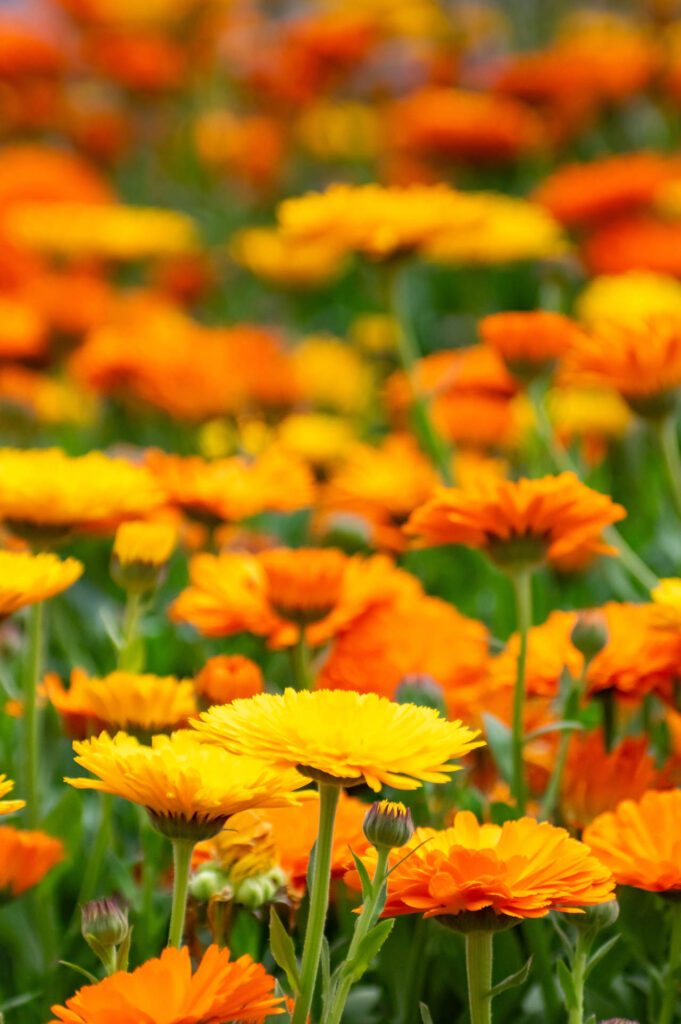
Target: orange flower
x=25, y=857
x=252, y=149
x=22, y=329
x=522, y=869
x=554, y=518
x=549, y=652
x=641, y=361
x=640, y=842
x=26, y=51
x=232, y=593
x=219, y=989
x=144, y=61
x=226, y=677
x=36, y=173
x=528, y=341
x=627, y=771
x=634, y=243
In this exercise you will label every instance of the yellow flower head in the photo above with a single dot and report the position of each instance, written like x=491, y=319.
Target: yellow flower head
x=585, y=412
x=245, y=849
x=148, y=541
x=341, y=736
x=667, y=602
x=28, y=579
x=332, y=130
x=8, y=806
x=288, y=262
x=636, y=295
x=331, y=374
x=315, y=437
x=188, y=788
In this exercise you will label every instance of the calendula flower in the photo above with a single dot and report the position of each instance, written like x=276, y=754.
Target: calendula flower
x=43, y=398
x=244, y=850
x=219, y=989
x=288, y=262
x=23, y=330
x=594, y=416
x=667, y=602
x=339, y=130
x=635, y=295
x=318, y=438
x=642, y=362
x=640, y=840
x=525, y=521
x=226, y=677
x=638, y=242
x=8, y=806
x=25, y=858
x=188, y=788
x=341, y=737
x=528, y=342
x=48, y=489
x=140, y=552
x=331, y=374
x=485, y=874
x=31, y=172
x=27, y=579
x=140, y=704
x=251, y=149
x=625, y=772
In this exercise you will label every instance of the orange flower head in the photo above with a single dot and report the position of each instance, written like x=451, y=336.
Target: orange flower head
x=188, y=788
x=639, y=242
x=528, y=342
x=640, y=841
x=220, y=989
x=642, y=362
x=625, y=772
x=25, y=858
x=549, y=652
x=490, y=876
x=27, y=579
x=8, y=806
x=341, y=737
x=226, y=677
x=303, y=584
x=519, y=522
x=23, y=330
x=641, y=656
x=37, y=173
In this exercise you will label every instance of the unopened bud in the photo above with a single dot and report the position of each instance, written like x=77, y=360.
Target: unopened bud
x=595, y=919
x=104, y=921
x=590, y=633
x=388, y=824
x=421, y=689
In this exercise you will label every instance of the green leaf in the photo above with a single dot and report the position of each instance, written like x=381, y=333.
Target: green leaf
x=599, y=954
x=499, y=740
x=519, y=978
x=326, y=966
x=363, y=876
x=426, y=1017
x=562, y=935
x=565, y=726
x=367, y=949
x=284, y=951
x=80, y=970
x=567, y=985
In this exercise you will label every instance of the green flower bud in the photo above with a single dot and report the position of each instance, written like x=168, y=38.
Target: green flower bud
x=208, y=881
x=590, y=633
x=104, y=922
x=594, y=919
x=253, y=892
x=388, y=824
x=421, y=689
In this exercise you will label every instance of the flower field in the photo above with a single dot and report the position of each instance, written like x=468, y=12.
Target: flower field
x=340, y=512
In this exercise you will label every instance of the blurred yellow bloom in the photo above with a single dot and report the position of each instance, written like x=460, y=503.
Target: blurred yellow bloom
x=8, y=806
x=47, y=399
x=667, y=602
x=413, y=19
x=582, y=412
x=635, y=295
x=374, y=333
x=150, y=542
x=290, y=262
x=316, y=437
x=331, y=374
x=98, y=229
x=340, y=130
x=245, y=849
x=28, y=579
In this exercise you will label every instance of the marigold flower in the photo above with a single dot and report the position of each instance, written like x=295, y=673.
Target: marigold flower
x=226, y=677
x=317, y=438
x=244, y=850
x=25, y=858
x=37, y=173
x=44, y=398
x=554, y=518
x=8, y=806
x=188, y=788
x=640, y=840
x=141, y=704
x=22, y=329
x=289, y=262
x=635, y=295
x=140, y=552
x=522, y=869
x=27, y=579
x=252, y=149
x=342, y=736
x=340, y=130
x=640, y=242
x=667, y=602
x=528, y=342
x=219, y=989
x=331, y=374
x=593, y=415
x=625, y=772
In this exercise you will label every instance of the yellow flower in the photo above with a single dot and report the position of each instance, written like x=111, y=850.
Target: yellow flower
x=333, y=130
x=341, y=736
x=585, y=412
x=636, y=295
x=374, y=333
x=667, y=602
x=188, y=788
x=147, y=541
x=289, y=262
x=8, y=806
x=245, y=849
x=100, y=229
x=315, y=437
x=331, y=374
x=28, y=579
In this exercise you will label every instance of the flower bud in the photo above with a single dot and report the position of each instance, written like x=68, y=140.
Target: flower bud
x=253, y=892
x=595, y=919
x=421, y=689
x=208, y=881
x=105, y=922
x=590, y=633
x=388, y=824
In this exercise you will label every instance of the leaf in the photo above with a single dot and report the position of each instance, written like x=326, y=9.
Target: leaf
x=562, y=935
x=363, y=876
x=564, y=726
x=367, y=949
x=80, y=970
x=326, y=966
x=567, y=985
x=599, y=954
x=284, y=951
x=518, y=978
x=499, y=740
x=426, y=1017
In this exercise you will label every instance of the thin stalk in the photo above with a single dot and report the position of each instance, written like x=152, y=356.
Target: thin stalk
x=319, y=901
x=182, y=858
x=578, y=971
x=408, y=351
x=32, y=668
x=366, y=920
x=300, y=662
x=544, y=966
x=129, y=629
x=569, y=713
x=669, y=445
x=102, y=843
x=522, y=589
x=671, y=989
x=479, y=973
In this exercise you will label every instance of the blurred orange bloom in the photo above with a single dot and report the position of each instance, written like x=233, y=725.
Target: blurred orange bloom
x=226, y=677
x=42, y=174
x=142, y=61
x=25, y=857
x=27, y=50
x=634, y=243
x=528, y=340
x=252, y=149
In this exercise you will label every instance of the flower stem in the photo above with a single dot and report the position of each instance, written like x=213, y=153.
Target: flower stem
x=98, y=853
x=671, y=990
x=366, y=920
x=579, y=958
x=479, y=972
x=669, y=445
x=182, y=858
x=131, y=618
x=32, y=668
x=570, y=711
x=300, y=662
x=319, y=901
x=522, y=589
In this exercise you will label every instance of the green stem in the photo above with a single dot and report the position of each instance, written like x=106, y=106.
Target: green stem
x=544, y=967
x=479, y=972
x=129, y=629
x=669, y=444
x=576, y=1014
x=408, y=351
x=522, y=589
x=671, y=989
x=99, y=850
x=300, y=662
x=182, y=858
x=32, y=668
x=319, y=901
x=570, y=712
x=366, y=920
